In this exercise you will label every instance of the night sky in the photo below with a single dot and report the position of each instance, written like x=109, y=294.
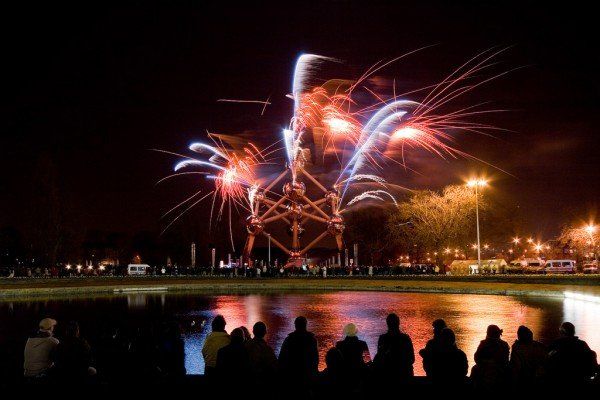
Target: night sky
x=91, y=90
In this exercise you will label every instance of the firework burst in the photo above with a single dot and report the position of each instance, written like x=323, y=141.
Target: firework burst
x=331, y=122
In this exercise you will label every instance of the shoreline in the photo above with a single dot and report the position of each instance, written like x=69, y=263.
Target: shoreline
x=546, y=286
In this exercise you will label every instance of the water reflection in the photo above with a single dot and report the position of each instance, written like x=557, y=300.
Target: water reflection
x=468, y=315
x=587, y=315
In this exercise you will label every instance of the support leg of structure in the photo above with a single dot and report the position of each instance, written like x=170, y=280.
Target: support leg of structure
x=248, y=249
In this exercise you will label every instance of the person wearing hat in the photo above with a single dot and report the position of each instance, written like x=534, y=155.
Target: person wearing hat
x=355, y=352
x=39, y=350
x=491, y=360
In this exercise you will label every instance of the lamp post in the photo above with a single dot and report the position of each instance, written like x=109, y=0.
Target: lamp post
x=269, y=236
x=516, y=240
x=591, y=229
x=477, y=183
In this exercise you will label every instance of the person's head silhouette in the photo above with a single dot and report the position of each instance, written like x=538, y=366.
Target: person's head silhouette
x=218, y=324
x=393, y=322
x=300, y=324
x=567, y=329
x=259, y=330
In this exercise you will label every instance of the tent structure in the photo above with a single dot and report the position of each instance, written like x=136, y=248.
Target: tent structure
x=469, y=267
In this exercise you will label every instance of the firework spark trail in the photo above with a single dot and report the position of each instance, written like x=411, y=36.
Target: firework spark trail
x=372, y=194
x=363, y=177
x=359, y=136
x=184, y=211
x=370, y=132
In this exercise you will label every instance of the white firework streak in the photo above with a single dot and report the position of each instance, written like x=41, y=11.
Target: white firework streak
x=252, y=194
x=372, y=194
x=365, y=177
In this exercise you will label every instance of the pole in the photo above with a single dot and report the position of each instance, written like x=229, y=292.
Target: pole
x=477, y=218
x=269, y=236
x=193, y=255
x=346, y=258
x=212, y=259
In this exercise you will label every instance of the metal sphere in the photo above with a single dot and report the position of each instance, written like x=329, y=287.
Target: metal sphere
x=295, y=211
x=254, y=225
x=294, y=190
x=336, y=225
x=332, y=199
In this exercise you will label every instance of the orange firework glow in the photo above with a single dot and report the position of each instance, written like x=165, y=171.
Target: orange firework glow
x=352, y=123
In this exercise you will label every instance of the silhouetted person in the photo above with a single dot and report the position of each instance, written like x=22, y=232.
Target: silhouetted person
x=215, y=340
x=299, y=356
x=171, y=351
x=263, y=362
x=526, y=359
x=432, y=344
x=333, y=381
x=39, y=350
x=355, y=353
x=232, y=359
x=447, y=363
x=491, y=361
x=395, y=353
x=74, y=355
x=247, y=335
x=570, y=359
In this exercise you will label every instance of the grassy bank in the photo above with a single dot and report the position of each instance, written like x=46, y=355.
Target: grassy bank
x=540, y=285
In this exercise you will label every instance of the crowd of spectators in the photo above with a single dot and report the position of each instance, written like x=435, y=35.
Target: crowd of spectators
x=241, y=363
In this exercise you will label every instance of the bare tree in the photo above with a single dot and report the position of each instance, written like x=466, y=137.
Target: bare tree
x=434, y=220
x=581, y=239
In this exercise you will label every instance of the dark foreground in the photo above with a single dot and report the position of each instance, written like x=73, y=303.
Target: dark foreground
x=198, y=386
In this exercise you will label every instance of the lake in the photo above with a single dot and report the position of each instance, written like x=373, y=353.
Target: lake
x=468, y=315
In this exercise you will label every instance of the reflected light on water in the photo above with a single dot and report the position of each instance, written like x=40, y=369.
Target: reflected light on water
x=467, y=315
x=587, y=315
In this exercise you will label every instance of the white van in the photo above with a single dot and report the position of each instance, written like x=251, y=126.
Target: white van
x=559, y=266
x=137, y=269
x=534, y=267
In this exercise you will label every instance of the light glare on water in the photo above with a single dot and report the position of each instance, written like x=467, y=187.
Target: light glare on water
x=468, y=315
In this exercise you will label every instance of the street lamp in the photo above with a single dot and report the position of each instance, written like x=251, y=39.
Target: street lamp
x=477, y=183
x=591, y=229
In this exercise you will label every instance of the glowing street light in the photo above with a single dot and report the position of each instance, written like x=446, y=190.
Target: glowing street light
x=477, y=183
x=516, y=240
x=590, y=229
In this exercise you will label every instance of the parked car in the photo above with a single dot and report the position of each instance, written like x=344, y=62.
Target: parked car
x=137, y=269
x=559, y=266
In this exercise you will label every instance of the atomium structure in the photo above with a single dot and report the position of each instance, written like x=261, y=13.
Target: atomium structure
x=295, y=209
x=343, y=132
